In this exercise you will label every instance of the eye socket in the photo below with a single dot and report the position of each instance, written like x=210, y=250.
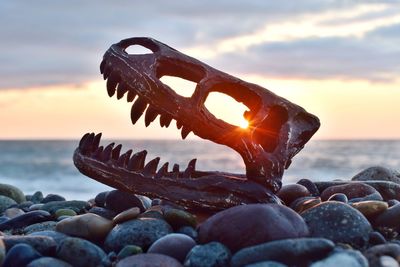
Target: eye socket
x=138, y=50
x=226, y=108
x=181, y=86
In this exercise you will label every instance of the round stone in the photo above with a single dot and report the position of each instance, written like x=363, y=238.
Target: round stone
x=147, y=260
x=174, y=245
x=37, y=197
x=339, y=197
x=338, y=222
x=89, y=226
x=299, y=251
x=78, y=206
x=80, y=252
x=37, y=227
x=370, y=209
x=5, y=203
x=56, y=236
x=267, y=264
x=189, y=231
x=129, y=250
x=20, y=255
x=351, y=190
x=304, y=203
x=119, y=201
x=100, y=198
x=52, y=197
x=235, y=227
x=348, y=258
x=378, y=173
x=105, y=213
x=291, y=192
x=141, y=232
x=376, y=238
x=43, y=244
x=126, y=215
x=311, y=187
x=389, y=218
x=64, y=212
x=208, y=255
x=25, y=220
x=374, y=253
x=178, y=218
x=48, y=262
x=13, y=212
x=12, y=192
x=2, y=251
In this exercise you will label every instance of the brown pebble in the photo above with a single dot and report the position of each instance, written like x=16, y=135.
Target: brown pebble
x=370, y=208
x=126, y=215
x=351, y=190
x=13, y=212
x=291, y=192
x=304, y=203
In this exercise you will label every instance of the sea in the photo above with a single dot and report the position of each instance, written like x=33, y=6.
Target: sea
x=47, y=166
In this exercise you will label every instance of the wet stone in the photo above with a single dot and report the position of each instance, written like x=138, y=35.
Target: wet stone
x=289, y=193
x=304, y=203
x=56, y=236
x=37, y=197
x=105, y=213
x=6, y=202
x=78, y=206
x=13, y=212
x=48, y=262
x=64, y=212
x=389, y=218
x=143, y=260
x=378, y=173
x=298, y=251
x=374, y=253
x=36, y=207
x=376, y=238
x=351, y=190
x=129, y=250
x=43, y=244
x=189, y=231
x=387, y=261
x=37, y=227
x=370, y=209
x=89, y=226
x=348, y=258
x=154, y=214
x=311, y=187
x=270, y=221
x=119, y=201
x=52, y=197
x=141, y=232
x=392, y=202
x=25, y=220
x=339, y=197
x=338, y=222
x=12, y=192
x=208, y=255
x=100, y=198
x=267, y=264
x=20, y=255
x=126, y=215
x=178, y=218
x=80, y=253
x=174, y=245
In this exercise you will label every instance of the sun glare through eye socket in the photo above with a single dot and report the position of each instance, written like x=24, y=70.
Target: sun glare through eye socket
x=226, y=108
x=180, y=86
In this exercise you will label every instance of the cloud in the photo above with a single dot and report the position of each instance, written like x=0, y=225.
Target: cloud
x=47, y=42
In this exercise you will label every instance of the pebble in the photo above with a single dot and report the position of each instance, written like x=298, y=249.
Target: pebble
x=80, y=253
x=374, y=253
x=149, y=260
x=25, y=205
x=56, y=236
x=64, y=212
x=370, y=209
x=2, y=251
x=288, y=193
x=126, y=215
x=377, y=173
x=311, y=187
x=304, y=203
x=387, y=261
x=129, y=250
x=36, y=207
x=376, y=238
x=345, y=258
x=154, y=214
x=119, y=201
x=48, y=262
x=338, y=222
x=103, y=212
x=392, y=202
x=78, y=206
x=37, y=197
x=174, y=245
x=90, y=226
x=178, y=218
x=213, y=254
x=37, y=227
x=20, y=255
x=43, y=244
x=6, y=202
x=13, y=212
x=12, y=192
x=189, y=231
x=141, y=232
x=267, y=264
x=100, y=199
x=339, y=197
x=351, y=190
x=298, y=251
x=26, y=219
x=52, y=197
x=389, y=218
x=254, y=224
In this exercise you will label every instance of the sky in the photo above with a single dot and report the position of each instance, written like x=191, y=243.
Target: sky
x=340, y=60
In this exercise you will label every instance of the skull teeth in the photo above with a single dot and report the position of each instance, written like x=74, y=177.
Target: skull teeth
x=111, y=154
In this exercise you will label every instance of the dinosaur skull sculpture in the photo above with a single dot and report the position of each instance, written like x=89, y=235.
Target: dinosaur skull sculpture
x=278, y=129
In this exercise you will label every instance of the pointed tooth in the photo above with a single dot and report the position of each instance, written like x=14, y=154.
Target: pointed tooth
x=116, y=151
x=96, y=141
x=106, y=155
x=137, y=161
x=87, y=143
x=165, y=120
x=121, y=89
x=150, y=115
x=97, y=154
x=102, y=66
x=175, y=171
x=112, y=83
x=83, y=140
x=131, y=95
x=151, y=167
x=124, y=158
x=162, y=171
x=190, y=168
x=107, y=71
x=185, y=131
x=137, y=109
x=178, y=124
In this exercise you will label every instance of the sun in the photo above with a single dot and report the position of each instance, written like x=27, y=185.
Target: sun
x=243, y=124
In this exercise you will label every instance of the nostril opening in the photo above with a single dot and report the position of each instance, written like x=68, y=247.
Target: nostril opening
x=267, y=133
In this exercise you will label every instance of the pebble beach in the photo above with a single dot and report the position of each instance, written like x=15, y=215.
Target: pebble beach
x=353, y=222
